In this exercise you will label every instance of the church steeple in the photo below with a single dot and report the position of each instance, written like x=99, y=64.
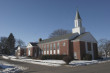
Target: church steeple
x=77, y=15
x=78, y=21
x=78, y=24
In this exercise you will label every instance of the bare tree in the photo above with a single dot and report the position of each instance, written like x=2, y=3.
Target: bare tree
x=19, y=42
x=59, y=32
x=104, y=45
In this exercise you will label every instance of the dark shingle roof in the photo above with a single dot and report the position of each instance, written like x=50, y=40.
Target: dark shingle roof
x=83, y=34
x=67, y=36
x=33, y=43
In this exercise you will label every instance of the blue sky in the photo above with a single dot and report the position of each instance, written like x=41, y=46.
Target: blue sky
x=30, y=20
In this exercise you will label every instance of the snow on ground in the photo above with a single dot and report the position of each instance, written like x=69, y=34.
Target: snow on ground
x=33, y=61
x=10, y=68
x=56, y=62
x=85, y=62
x=82, y=62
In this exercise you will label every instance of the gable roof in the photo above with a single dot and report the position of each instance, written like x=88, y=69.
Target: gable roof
x=83, y=34
x=62, y=37
x=33, y=43
x=87, y=36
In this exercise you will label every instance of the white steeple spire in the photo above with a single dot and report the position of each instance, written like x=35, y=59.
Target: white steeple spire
x=78, y=24
x=78, y=21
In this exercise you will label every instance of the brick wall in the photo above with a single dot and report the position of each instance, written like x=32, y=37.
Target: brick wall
x=79, y=49
x=76, y=49
x=63, y=49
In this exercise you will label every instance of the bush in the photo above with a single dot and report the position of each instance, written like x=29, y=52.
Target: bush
x=87, y=57
x=99, y=58
x=67, y=59
x=57, y=57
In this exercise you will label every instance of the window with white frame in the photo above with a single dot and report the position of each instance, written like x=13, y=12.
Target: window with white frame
x=44, y=49
x=54, y=46
x=58, y=51
x=64, y=43
x=57, y=45
x=47, y=49
x=50, y=48
x=54, y=50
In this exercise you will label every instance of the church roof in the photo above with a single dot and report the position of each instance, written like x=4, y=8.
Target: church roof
x=86, y=37
x=71, y=36
x=83, y=34
x=77, y=15
x=33, y=43
x=62, y=37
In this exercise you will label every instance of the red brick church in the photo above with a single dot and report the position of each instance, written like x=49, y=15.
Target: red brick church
x=76, y=44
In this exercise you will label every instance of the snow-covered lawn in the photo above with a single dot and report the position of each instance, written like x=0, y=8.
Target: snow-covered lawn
x=9, y=68
x=34, y=61
x=56, y=62
x=83, y=62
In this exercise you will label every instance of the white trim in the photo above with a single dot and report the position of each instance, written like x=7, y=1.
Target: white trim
x=29, y=45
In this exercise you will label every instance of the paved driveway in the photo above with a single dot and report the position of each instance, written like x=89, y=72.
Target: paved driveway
x=34, y=68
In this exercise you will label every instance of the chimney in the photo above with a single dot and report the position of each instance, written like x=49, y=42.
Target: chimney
x=40, y=39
